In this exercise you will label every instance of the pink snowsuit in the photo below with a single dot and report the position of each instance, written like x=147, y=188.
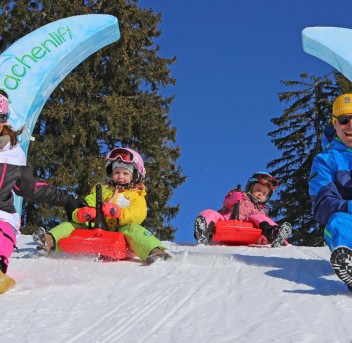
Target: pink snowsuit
x=7, y=243
x=249, y=211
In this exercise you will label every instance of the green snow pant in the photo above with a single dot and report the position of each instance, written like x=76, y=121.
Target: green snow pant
x=140, y=240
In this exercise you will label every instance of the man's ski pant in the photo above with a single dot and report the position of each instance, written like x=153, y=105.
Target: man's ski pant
x=7, y=244
x=338, y=230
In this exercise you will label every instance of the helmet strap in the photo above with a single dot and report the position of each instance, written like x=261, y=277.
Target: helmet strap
x=119, y=185
x=123, y=185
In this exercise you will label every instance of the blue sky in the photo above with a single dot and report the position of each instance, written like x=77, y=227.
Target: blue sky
x=231, y=56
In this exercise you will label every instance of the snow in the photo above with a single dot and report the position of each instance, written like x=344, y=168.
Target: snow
x=205, y=294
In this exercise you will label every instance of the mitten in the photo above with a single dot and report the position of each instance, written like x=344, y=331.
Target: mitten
x=111, y=210
x=86, y=213
x=26, y=185
x=232, y=198
x=74, y=202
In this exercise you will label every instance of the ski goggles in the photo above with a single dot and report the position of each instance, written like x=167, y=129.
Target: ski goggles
x=3, y=117
x=344, y=119
x=267, y=180
x=122, y=154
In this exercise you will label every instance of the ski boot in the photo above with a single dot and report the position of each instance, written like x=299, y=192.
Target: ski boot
x=45, y=242
x=202, y=232
x=341, y=262
x=281, y=234
x=157, y=254
x=5, y=282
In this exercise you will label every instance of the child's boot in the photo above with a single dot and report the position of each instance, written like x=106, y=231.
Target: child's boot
x=276, y=235
x=5, y=282
x=203, y=232
x=341, y=262
x=45, y=242
x=157, y=254
x=281, y=235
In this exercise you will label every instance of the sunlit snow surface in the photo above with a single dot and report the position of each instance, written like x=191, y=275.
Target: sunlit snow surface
x=205, y=294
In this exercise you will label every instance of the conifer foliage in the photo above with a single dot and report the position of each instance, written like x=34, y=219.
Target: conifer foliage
x=299, y=137
x=113, y=98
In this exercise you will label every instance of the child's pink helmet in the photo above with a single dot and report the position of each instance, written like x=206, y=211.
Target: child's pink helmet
x=127, y=156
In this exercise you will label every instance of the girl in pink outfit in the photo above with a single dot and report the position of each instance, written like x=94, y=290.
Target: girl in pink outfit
x=252, y=208
x=17, y=178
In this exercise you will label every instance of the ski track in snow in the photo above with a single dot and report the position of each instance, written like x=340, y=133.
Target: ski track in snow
x=205, y=294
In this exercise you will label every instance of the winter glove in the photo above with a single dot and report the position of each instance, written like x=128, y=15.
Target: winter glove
x=86, y=213
x=111, y=210
x=25, y=185
x=75, y=201
x=232, y=198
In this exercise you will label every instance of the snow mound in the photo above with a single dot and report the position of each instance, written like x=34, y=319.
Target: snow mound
x=205, y=294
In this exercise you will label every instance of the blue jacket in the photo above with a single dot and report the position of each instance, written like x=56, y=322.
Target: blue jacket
x=330, y=182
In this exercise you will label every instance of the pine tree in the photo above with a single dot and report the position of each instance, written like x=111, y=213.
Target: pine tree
x=114, y=98
x=299, y=136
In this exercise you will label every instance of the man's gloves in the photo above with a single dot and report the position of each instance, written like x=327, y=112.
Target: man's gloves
x=111, y=210
x=86, y=214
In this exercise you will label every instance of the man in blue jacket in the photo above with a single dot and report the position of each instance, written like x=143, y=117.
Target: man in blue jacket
x=330, y=188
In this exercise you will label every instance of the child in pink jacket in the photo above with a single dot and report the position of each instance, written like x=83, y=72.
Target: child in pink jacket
x=252, y=208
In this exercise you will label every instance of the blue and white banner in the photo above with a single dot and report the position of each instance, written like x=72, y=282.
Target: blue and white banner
x=332, y=45
x=32, y=67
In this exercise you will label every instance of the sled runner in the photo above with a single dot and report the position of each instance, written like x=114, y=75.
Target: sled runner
x=109, y=245
x=234, y=231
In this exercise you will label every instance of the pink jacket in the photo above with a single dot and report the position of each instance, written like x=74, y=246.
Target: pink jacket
x=249, y=210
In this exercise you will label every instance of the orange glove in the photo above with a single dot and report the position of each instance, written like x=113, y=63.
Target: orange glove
x=86, y=213
x=111, y=210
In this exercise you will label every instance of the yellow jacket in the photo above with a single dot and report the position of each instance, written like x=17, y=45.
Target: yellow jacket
x=131, y=202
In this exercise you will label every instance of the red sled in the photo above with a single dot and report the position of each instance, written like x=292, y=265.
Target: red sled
x=106, y=244
x=235, y=232
x=98, y=241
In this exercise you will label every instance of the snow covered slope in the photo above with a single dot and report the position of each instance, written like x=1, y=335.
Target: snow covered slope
x=206, y=294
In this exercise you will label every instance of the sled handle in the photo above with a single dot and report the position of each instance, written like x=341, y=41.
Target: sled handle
x=235, y=213
x=100, y=222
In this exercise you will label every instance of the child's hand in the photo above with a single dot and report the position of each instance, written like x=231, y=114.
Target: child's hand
x=111, y=210
x=86, y=213
x=232, y=198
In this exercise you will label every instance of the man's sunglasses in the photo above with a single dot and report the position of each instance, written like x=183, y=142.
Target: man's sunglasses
x=344, y=120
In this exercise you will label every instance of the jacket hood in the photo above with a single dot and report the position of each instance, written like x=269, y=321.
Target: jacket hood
x=331, y=141
x=13, y=155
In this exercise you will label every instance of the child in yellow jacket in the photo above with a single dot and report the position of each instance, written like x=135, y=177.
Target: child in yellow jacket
x=124, y=208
